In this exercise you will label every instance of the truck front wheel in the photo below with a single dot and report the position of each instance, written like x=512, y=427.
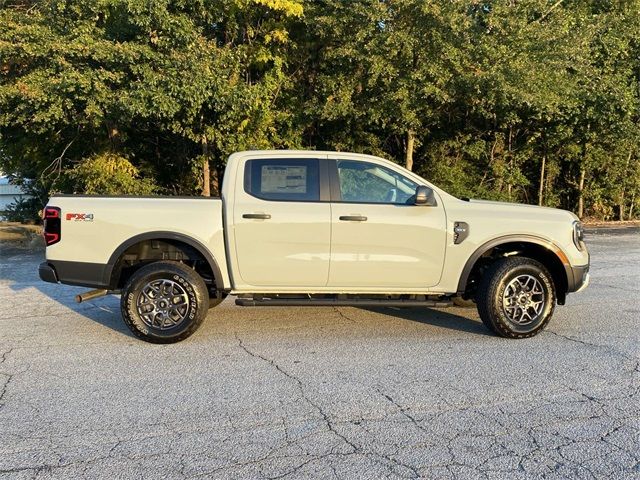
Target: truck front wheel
x=516, y=297
x=164, y=302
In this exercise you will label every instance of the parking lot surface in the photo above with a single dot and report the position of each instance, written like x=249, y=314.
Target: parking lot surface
x=321, y=392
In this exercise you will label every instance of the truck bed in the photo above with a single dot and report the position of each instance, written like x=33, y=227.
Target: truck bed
x=99, y=226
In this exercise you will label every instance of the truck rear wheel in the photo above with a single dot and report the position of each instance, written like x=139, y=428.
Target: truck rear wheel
x=164, y=302
x=516, y=297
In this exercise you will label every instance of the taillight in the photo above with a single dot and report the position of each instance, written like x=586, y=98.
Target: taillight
x=51, y=216
x=51, y=212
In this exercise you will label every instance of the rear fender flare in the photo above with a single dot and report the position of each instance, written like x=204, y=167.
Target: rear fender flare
x=110, y=269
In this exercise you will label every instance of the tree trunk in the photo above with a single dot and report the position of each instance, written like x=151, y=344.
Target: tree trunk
x=541, y=190
x=114, y=137
x=410, y=143
x=581, y=193
x=215, y=182
x=491, y=158
x=621, y=203
x=206, y=188
x=510, y=162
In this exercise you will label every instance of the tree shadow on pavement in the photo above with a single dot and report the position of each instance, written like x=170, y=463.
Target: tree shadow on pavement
x=436, y=318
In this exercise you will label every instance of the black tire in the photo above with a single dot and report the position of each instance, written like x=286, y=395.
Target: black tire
x=502, y=275
x=175, y=280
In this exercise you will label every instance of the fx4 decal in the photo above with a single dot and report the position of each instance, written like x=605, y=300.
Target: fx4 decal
x=80, y=217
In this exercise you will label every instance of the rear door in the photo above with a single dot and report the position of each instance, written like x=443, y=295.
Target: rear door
x=282, y=222
x=379, y=238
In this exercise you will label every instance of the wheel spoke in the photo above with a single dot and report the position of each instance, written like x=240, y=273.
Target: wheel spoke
x=523, y=300
x=515, y=313
x=157, y=318
x=147, y=297
x=163, y=304
x=178, y=300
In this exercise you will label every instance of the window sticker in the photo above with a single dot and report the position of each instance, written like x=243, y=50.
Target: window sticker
x=283, y=179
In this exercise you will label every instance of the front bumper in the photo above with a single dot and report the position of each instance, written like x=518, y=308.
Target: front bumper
x=584, y=285
x=578, y=278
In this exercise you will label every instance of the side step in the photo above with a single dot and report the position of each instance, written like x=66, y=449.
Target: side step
x=336, y=302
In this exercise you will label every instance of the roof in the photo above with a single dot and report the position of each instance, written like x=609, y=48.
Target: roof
x=8, y=189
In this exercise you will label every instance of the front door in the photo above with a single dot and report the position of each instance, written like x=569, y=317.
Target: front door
x=282, y=222
x=379, y=238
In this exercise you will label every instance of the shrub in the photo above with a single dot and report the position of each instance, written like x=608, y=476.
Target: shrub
x=110, y=174
x=24, y=210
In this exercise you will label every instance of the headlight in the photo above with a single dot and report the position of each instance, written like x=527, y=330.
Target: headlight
x=578, y=235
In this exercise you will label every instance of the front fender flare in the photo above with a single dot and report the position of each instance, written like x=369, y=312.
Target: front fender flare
x=485, y=247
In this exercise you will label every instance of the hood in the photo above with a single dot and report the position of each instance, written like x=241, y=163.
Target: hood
x=525, y=207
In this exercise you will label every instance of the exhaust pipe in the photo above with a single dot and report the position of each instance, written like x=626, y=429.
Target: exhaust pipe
x=90, y=295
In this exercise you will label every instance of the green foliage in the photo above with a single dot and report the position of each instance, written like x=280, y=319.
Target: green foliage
x=151, y=81
x=533, y=101
x=109, y=174
x=23, y=210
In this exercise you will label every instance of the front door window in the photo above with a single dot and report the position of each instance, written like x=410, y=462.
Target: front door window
x=363, y=182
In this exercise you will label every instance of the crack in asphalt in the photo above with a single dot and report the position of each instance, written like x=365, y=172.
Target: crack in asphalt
x=496, y=443
x=618, y=288
x=355, y=449
x=9, y=377
x=4, y=355
x=563, y=462
x=608, y=348
x=86, y=463
x=5, y=386
x=403, y=410
x=343, y=315
x=303, y=394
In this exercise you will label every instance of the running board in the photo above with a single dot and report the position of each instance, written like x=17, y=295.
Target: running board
x=337, y=302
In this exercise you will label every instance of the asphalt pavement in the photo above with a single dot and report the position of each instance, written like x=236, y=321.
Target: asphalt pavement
x=326, y=392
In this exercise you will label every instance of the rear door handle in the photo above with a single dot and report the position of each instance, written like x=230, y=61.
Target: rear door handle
x=259, y=216
x=353, y=218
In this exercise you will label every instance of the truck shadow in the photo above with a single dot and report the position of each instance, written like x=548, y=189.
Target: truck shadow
x=442, y=318
x=104, y=311
x=18, y=271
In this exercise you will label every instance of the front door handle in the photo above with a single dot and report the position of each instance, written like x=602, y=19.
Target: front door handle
x=353, y=218
x=259, y=216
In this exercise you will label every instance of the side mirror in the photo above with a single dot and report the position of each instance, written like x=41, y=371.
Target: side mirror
x=425, y=196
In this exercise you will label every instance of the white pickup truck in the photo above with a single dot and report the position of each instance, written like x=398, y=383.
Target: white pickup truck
x=296, y=228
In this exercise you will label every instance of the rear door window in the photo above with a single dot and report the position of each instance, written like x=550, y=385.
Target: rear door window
x=293, y=180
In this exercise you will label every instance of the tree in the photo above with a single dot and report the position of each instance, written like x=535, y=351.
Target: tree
x=165, y=85
x=533, y=101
